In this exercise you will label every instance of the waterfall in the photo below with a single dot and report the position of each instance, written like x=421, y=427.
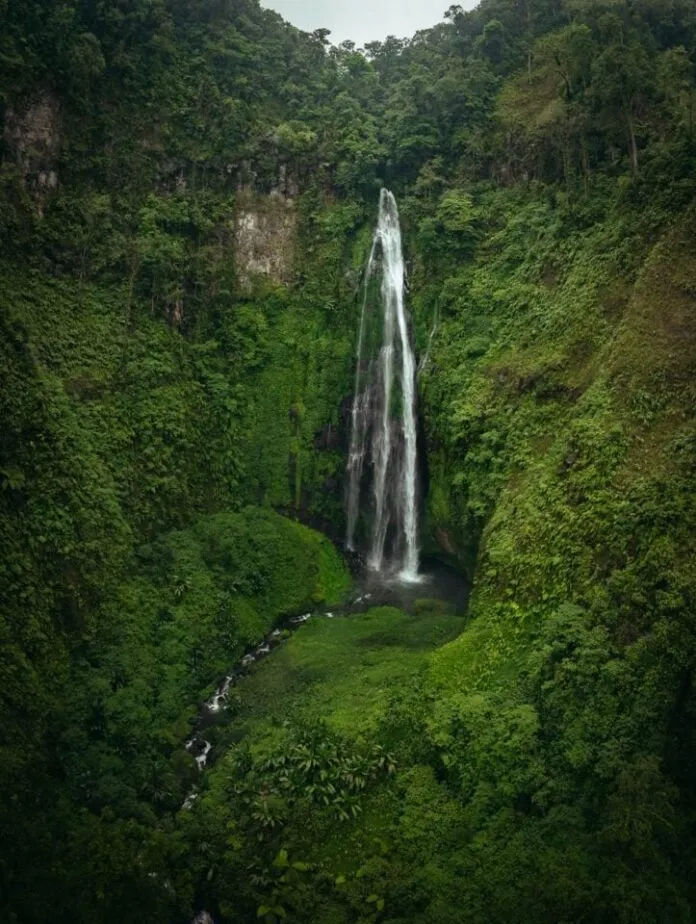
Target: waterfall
x=423, y=364
x=392, y=436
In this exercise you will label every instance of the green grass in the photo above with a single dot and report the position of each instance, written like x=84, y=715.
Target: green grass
x=340, y=671
x=346, y=673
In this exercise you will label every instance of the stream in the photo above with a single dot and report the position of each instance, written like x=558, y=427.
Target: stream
x=436, y=581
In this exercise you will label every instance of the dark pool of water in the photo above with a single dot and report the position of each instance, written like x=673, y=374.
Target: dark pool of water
x=436, y=582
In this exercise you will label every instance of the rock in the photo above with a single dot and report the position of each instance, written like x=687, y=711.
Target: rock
x=31, y=134
x=215, y=703
x=328, y=438
x=175, y=312
x=298, y=620
x=202, y=758
x=203, y=918
x=264, y=238
x=445, y=541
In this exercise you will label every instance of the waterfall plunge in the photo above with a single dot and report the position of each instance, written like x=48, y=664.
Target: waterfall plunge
x=391, y=438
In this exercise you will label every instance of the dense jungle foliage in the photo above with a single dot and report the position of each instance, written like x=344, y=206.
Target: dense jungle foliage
x=187, y=195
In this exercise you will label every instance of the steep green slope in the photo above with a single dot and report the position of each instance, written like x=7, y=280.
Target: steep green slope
x=124, y=597
x=581, y=645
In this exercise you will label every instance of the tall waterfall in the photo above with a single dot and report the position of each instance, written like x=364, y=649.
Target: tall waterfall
x=379, y=420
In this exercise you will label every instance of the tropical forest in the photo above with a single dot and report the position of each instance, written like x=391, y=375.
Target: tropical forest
x=347, y=466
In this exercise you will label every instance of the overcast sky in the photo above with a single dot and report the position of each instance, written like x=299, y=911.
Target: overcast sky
x=362, y=20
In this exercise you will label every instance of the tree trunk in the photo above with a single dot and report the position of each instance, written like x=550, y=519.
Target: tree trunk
x=632, y=138
x=585, y=163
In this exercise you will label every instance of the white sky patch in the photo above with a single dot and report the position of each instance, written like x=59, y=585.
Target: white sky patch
x=363, y=20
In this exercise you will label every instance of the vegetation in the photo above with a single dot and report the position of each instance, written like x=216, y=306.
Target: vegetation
x=314, y=773
x=187, y=191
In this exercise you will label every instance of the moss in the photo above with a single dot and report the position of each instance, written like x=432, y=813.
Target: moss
x=340, y=671
x=294, y=431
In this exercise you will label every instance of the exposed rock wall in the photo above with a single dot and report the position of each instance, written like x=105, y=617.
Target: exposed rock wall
x=264, y=237
x=32, y=139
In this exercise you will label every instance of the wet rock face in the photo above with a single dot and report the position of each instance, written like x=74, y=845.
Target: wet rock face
x=328, y=438
x=32, y=139
x=445, y=541
x=264, y=238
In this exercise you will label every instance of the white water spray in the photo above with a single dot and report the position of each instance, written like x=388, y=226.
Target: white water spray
x=393, y=437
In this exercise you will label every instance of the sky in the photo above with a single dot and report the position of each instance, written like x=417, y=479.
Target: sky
x=362, y=20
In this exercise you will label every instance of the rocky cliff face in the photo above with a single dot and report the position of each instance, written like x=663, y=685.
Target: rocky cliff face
x=32, y=139
x=264, y=238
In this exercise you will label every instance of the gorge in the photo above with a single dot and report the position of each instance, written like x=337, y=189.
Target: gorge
x=435, y=299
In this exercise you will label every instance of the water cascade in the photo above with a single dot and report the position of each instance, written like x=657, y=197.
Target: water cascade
x=380, y=422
